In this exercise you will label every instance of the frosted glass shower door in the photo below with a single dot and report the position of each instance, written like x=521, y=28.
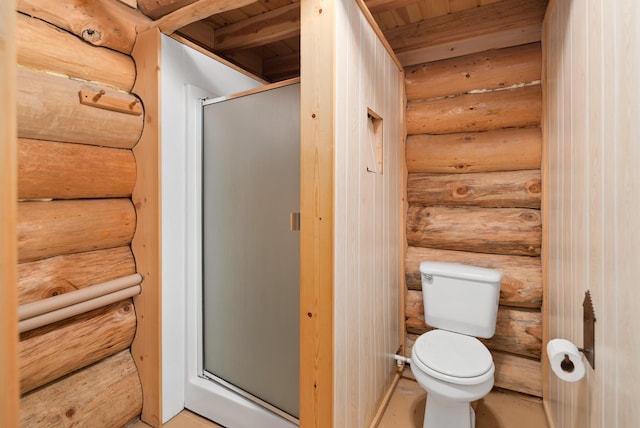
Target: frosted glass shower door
x=251, y=187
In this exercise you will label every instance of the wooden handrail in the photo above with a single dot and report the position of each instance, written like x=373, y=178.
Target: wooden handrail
x=30, y=310
x=54, y=309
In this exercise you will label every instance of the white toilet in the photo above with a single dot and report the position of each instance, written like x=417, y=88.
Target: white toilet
x=453, y=366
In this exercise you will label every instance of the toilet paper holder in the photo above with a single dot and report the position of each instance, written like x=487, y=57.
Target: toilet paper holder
x=588, y=339
x=588, y=330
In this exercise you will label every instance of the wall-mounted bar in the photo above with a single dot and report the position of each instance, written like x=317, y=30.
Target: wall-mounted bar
x=100, y=100
x=54, y=309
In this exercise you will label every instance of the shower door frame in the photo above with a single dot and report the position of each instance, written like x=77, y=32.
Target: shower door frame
x=203, y=395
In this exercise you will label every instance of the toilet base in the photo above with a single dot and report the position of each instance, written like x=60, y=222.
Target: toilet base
x=448, y=414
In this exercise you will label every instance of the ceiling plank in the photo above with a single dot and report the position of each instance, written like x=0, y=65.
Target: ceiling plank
x=495, y=26
x=191, y=13
x=378, y=6
x=199, y=31
x=260, y=30
x=282, y=67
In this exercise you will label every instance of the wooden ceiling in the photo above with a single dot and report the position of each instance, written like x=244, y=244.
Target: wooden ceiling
x=263, y=37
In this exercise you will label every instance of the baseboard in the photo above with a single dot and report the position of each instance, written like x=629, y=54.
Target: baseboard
x=550, y=422
x=385, y=401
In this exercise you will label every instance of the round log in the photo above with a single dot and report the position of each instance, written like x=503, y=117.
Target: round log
x=510, y=108
x=49, y=109
x=106, y=394
x=73, y=171
x=506, y=189
x=493, y=69
x=513, y=372
x=58, y=275
x=53, y=351
x=47, y=229
x=516, y=373
x=518, y=331
x=106, y=23
x=509, y=231
x=521, y=284
x=44, y=47
x=499, y=150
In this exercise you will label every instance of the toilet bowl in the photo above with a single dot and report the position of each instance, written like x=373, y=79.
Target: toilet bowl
x=460, y=303
x=454, y=369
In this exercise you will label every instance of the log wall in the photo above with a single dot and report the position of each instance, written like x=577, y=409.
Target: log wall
x=75, y=216
x=474, y=190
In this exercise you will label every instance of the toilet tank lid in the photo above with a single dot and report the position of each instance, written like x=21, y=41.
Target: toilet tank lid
x=459, y=270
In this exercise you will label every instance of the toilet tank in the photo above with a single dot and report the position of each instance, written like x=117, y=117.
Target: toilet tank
x=460, y=298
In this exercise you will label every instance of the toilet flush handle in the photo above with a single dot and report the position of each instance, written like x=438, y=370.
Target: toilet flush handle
x=427, y=278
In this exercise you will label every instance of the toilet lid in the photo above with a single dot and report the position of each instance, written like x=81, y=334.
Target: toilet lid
x=453, y=354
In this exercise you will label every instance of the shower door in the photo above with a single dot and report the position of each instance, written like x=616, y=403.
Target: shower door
x=250, y=247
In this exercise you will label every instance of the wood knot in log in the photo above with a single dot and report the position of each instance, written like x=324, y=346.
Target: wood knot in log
x=460, y=190
x=534, y=186
x=530, y=216
x=92, y=36
x=57, y=291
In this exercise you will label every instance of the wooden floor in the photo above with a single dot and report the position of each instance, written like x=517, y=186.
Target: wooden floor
x=499, y=409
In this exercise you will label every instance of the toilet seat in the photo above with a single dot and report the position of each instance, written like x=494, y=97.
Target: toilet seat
x=453, y=357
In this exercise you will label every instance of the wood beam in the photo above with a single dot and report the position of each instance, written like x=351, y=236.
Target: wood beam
x=259, y=30
x=9, y=380
x=495, y=26
x=191, y=13
x=159, y=8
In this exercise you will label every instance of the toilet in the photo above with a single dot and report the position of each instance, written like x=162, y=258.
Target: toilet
x=450, y=363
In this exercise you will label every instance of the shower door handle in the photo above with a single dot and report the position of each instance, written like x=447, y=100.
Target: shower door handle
x=294, y=222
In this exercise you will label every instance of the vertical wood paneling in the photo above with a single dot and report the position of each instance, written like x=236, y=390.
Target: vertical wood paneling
x=595, y=156
x=592, y=96
x=9, y=390
x=627, y=215
x=367, y=215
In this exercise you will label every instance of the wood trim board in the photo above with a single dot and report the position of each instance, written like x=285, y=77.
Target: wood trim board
x=9, y=380
x=146, y=244
x=317, y=213
x=545, y=214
